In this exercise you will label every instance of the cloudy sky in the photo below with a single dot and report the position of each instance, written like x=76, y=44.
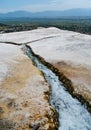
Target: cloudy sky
x=42, y=5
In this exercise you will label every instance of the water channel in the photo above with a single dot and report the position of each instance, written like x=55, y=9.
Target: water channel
x=72, y=114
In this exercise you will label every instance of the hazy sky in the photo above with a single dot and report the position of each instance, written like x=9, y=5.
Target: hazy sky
x=42, y=5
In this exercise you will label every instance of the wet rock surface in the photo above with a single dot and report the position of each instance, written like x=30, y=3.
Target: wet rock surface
x=23, y=92
x=71, y=111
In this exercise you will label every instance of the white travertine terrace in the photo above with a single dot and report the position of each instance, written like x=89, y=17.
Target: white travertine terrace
x=69, y=52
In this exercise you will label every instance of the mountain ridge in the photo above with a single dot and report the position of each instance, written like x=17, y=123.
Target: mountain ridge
x=47, y=14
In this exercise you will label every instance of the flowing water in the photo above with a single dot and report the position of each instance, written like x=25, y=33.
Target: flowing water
x=72, y=115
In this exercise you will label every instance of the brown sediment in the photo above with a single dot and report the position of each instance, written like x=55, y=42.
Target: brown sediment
x=67, y=82
x=80, y=77
x=18, y=77
x=24, y=103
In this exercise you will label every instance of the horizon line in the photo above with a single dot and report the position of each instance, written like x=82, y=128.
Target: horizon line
x=40, y=11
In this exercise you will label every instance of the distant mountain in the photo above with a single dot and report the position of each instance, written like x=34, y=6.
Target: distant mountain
x=16, y=14
x=47, y=14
